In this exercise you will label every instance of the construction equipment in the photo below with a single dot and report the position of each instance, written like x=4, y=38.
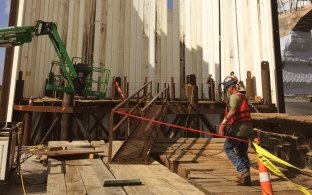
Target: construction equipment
x=77, y=74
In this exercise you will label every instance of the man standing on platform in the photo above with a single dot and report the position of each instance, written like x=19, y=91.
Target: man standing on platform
x=237, y=123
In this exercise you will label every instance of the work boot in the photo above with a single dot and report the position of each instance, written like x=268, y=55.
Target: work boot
x=244, y=178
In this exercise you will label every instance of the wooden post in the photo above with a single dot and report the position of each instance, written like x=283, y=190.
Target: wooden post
x=26, y=129
x=172, y=89
x=209, y=82
x=113, y=88
x=266, y=84
x=213, y=87
x=19, y=87
x=66, y=121
x=250, y=91
x=125, y=90
x=192, y=97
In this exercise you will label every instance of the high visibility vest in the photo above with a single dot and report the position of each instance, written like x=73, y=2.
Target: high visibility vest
x=243, y=113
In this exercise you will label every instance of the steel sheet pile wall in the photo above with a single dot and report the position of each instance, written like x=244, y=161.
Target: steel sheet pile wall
x=155, y=39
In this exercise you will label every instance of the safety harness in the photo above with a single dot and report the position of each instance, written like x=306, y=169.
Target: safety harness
x=243, y=113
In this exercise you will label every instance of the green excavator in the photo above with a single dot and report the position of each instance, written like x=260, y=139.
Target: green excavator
x=77, y=73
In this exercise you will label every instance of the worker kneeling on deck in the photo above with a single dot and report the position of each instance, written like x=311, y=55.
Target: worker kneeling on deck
x=237, y=123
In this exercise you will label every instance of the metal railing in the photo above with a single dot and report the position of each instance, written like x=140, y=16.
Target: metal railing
x=137, y=104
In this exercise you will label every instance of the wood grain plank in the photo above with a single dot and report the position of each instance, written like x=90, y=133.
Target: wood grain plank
x=103, y=173
x=56, y=184
x=90, y=179
x=125, y=172
x=73, y=179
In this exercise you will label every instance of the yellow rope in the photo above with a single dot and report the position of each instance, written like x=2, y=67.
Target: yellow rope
x=19, y=168
x=22, y=181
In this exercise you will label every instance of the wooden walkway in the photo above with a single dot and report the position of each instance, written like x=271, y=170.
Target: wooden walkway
x=206, y=166
x=85, y=175
x=200, y=165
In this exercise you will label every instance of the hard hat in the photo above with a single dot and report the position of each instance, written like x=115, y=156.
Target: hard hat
x=229, y=81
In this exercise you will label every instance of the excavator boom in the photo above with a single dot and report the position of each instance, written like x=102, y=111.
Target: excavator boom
x=76, y=84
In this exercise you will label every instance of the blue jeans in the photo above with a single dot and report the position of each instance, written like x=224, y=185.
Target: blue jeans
x=236, y=152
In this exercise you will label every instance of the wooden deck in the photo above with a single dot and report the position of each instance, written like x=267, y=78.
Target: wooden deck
x=204, y=164
x=86, y=176
x=200, y=165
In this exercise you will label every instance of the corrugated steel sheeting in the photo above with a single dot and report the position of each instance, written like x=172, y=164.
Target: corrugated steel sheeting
x=146, y=38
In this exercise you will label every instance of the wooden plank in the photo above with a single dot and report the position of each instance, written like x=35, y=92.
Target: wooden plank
x=154, y=176
x=90, y=179
x=125, y=172
x=56, y=184
x=99, y=145
x=185, y=169
x=156, y=183
x=174, y=180
x=73, y=179
x=103, y=173
x=57, y=143
x=56, y=167
x=64, y=152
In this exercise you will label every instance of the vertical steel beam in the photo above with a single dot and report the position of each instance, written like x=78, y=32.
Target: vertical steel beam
x=280, y=102
x=8, y=61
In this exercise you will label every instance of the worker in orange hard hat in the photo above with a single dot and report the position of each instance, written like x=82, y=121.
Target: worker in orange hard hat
x=237, y=123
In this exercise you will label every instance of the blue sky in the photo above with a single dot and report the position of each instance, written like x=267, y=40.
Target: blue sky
x=4, y=18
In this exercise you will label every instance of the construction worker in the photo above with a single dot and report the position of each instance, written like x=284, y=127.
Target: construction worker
x=237, y=123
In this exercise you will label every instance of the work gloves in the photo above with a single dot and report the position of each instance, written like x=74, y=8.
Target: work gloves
x=222, y=127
